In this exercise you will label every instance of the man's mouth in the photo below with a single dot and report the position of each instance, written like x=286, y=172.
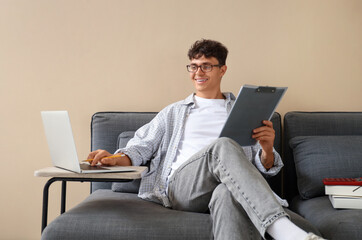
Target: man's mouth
x=201, y=80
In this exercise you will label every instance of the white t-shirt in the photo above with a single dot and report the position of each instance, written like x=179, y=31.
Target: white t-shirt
x=203, y=125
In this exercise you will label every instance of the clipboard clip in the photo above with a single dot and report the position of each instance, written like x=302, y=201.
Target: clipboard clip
x=266, y=89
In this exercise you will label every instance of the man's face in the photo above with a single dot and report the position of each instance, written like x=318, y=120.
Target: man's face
x=207, y=84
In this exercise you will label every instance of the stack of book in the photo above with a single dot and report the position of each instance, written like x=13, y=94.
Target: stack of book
x=344, y=192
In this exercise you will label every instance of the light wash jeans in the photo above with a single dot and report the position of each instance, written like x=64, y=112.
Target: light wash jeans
x=221, y=179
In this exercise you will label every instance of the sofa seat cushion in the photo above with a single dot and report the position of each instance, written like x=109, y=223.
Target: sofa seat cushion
x=334, y=224
x=112, y=215
x=318, y=157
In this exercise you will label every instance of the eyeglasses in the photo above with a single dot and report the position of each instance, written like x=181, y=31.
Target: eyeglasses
x=192, y=68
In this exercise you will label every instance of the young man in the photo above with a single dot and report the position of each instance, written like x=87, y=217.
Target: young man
x=194, y=170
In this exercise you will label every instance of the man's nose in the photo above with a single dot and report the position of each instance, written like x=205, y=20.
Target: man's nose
x=199, y=71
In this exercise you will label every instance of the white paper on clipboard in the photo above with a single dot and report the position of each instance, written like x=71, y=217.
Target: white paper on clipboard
x=252, y=105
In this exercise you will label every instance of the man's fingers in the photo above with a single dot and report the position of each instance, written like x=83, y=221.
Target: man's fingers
x=263, y=134
x=268, y=126
x=98, y=155
x=268, y=123
x=264, y=137
x=95, y=161
x=91, y=155
x=264, y=129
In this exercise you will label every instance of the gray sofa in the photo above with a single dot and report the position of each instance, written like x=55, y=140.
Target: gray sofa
x=113, y=210
x=318, y=145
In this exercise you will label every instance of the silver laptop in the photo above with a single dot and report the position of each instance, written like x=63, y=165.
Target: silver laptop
x=62, y=148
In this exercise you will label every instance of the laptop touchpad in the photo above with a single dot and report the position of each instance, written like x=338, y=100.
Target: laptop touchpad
x=85, y=166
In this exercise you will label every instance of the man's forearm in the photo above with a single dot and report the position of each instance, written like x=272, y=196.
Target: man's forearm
x=124, y=160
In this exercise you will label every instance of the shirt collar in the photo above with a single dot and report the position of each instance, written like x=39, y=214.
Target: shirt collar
x=229, y=97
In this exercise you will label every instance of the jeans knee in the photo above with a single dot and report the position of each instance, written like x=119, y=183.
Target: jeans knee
x=223, y=143
x=220, y=195
x=226, y=147
x=224, y=140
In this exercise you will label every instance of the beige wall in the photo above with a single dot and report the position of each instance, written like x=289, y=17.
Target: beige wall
x=126, y=55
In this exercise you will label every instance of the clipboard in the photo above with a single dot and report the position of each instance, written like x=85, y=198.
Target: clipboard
x=252, y=105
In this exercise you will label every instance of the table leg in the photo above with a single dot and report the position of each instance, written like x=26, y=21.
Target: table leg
x=63, y=199
x=45, y=203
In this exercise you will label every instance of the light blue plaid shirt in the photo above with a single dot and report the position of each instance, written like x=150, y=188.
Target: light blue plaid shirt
x=158, y=141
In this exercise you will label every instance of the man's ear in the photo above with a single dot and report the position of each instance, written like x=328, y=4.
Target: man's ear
x=223, y=69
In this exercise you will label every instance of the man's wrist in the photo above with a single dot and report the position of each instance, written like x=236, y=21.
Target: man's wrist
x=124, y=160
x=267, y=159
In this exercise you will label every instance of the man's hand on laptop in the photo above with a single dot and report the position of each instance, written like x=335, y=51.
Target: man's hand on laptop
x=105, y=158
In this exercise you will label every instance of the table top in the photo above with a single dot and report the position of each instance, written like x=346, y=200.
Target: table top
x=58, y=172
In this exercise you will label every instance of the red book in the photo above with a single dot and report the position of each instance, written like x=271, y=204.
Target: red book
x=343, y=181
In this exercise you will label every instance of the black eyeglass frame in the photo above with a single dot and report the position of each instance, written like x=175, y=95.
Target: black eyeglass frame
x=212, y=66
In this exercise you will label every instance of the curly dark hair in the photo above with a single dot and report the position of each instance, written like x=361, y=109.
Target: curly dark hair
x=208, y=48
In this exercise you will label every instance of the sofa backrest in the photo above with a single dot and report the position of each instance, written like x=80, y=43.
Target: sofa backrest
x=329, y=136
x=106, y=128
x=111, y=130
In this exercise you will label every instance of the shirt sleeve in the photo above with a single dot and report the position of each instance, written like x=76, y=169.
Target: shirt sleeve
x=274, y=170
x=254, y=154
x=146, y=141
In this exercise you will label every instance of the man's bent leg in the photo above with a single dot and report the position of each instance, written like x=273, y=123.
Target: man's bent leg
x=224, y=161
x=229, y=219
